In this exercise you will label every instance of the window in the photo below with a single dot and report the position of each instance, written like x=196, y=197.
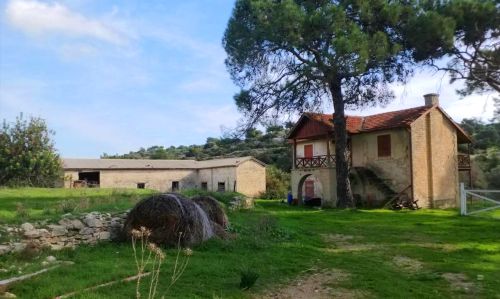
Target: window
x=204, y=186
x=175, y=186
x=221, y=187
x=141, y=185
x=384, y=145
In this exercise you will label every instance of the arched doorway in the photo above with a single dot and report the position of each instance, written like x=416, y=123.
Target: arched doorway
x=310, y=190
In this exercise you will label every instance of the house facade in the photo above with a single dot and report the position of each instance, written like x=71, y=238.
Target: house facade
x=412, y=152
x=246, y=175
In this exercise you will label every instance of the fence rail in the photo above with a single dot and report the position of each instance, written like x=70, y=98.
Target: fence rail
x=464, y=209
x=316, y=161
x=463, y=161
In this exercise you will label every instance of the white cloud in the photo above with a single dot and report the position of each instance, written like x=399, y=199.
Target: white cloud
x=39, y=18
x=411, y=95
x=204, y=85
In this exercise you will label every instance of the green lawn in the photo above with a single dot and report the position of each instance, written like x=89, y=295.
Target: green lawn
x=281, y=242
x=30, y=204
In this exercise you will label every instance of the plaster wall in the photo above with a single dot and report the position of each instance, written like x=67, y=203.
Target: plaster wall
x=251, y=178
x=319, y=147
x=160, y=180
x=326, y=176
x=214, y=176
x=69, y=178
x=395, y=170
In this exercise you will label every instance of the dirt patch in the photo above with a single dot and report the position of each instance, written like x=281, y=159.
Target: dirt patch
x=320, y=285
x=460, y=282
x=338, y=238
x=407, y=264
x=443, y=247
x=346, y=243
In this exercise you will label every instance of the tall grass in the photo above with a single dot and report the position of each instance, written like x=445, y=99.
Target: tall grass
x=223, y=197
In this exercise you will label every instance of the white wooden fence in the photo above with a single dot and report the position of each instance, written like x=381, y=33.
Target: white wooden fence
x=488, y=203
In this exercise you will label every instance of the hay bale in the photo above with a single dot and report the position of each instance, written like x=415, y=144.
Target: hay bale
x=213, y=208
x=167, y=215
x=170, y=214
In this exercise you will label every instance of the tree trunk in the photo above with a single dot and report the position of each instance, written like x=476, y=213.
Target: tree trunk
x=344, y=193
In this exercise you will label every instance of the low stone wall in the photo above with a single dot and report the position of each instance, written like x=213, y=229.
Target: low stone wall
x=69, y=232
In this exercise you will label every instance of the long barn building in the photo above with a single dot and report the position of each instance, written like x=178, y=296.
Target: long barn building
x=246, y=175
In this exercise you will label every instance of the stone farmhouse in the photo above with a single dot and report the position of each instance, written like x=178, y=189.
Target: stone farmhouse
x=412, y=152
x=246, y=175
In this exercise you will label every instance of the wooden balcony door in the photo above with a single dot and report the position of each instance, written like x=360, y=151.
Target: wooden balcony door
x=308, y=151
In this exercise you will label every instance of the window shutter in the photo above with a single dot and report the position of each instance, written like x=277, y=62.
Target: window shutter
x=384, y=145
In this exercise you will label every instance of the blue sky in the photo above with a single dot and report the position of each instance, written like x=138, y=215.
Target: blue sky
x=113, y=76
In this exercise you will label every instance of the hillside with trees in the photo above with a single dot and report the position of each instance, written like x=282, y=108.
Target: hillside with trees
x=271, y=147
x=485, y=152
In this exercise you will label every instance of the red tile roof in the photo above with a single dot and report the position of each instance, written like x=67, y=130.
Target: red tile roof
x=353, y=122
x=382, y=121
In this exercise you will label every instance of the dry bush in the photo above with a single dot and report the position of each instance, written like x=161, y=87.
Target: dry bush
x=148, y=256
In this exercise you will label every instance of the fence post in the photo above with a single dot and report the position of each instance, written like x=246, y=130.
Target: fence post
x=463, y=200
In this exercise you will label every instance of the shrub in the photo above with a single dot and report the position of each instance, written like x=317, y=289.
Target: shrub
x=27, y=154
x=21, y=211
x=277, y=183
x=66, y=206
x=248, y=278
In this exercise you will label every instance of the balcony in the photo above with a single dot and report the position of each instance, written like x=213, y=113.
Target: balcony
x=464, y=162
x=315, y=162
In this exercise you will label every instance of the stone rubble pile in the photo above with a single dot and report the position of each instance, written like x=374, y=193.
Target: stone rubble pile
x=69, y=232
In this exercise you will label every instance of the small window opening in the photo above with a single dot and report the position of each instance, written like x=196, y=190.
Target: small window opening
x=175, y=186
x=141, y=185
x=384, y=145
x=204, y=186
x=221, y=187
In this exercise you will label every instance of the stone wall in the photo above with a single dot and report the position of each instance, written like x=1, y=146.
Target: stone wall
x=435, y=165
x=69, y=232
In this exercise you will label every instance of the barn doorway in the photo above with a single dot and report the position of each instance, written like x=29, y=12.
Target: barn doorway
x=310, y=190
x=91, y=178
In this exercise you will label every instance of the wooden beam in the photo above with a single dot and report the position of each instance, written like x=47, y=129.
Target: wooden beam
x=327, y=149
x=470, y=167
x=294, y=156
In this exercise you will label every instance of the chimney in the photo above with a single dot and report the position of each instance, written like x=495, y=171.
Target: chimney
x=431, y=99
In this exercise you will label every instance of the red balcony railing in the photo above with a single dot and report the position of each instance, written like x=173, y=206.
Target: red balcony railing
x=463, y=161
x=315, y=162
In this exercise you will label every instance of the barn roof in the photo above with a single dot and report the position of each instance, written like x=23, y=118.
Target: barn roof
x=70, y=163
x=376, y=122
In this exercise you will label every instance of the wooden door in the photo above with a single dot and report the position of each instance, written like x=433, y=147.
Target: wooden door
x=308, y=151
x=309, y=186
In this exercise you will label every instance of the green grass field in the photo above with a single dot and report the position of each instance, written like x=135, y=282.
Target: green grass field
x=281, y=243
x=31, y=204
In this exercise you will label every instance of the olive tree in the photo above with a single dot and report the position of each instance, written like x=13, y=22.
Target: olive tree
x=27, y=154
